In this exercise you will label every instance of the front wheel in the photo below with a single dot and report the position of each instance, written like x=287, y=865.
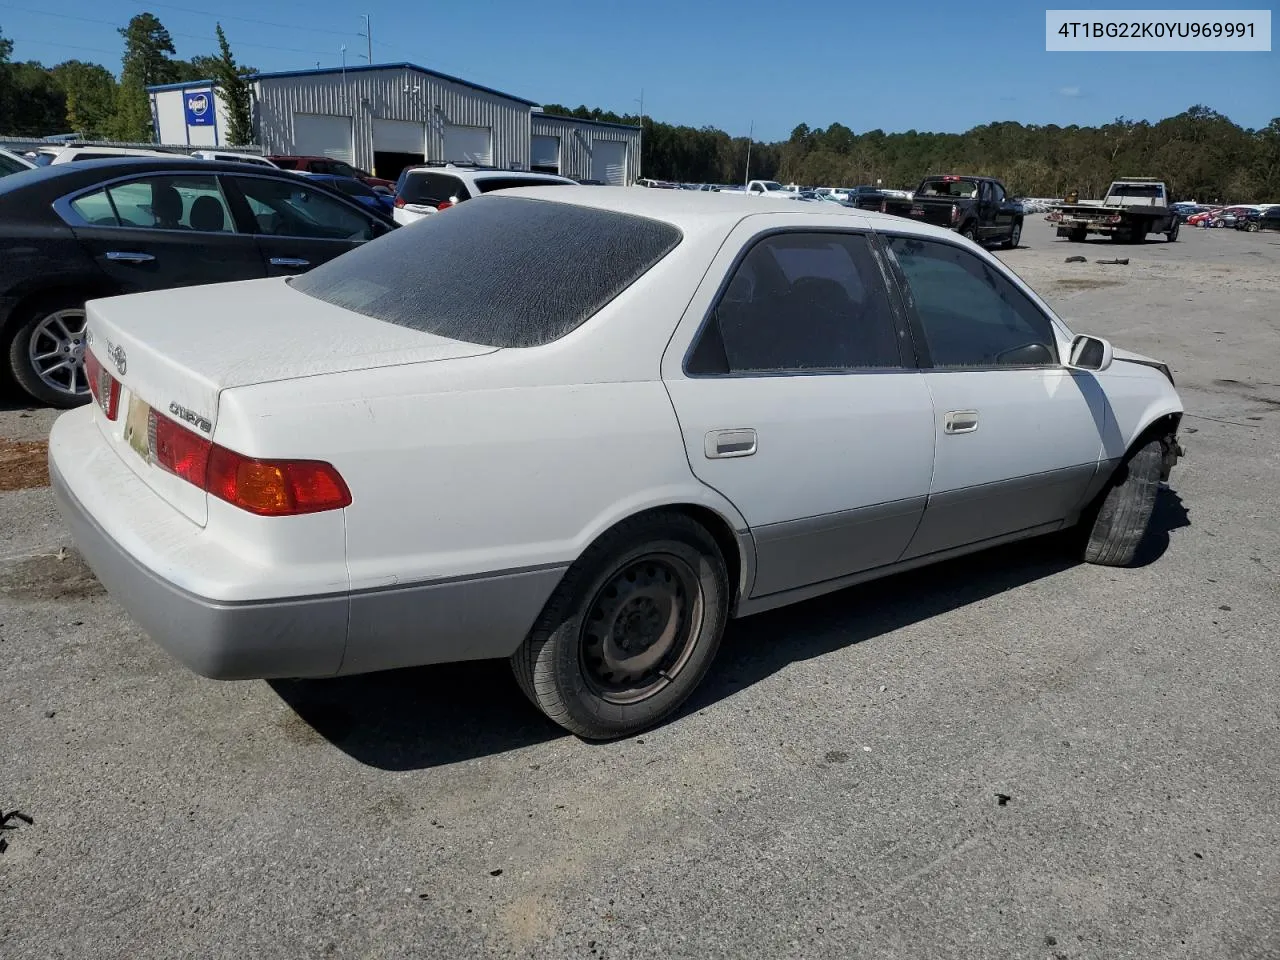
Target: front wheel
x=46, y=353
x=1115, y=527
x=631, y=629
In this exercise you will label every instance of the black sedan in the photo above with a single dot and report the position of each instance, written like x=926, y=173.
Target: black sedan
x=78, y=231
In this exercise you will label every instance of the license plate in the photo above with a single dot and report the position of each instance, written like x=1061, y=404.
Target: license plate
x=917, y=211
x=137, y=431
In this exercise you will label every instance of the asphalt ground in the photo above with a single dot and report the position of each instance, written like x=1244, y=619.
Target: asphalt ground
x=1009, y=755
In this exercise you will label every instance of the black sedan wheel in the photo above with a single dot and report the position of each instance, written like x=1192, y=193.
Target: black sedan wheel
x=46, y=354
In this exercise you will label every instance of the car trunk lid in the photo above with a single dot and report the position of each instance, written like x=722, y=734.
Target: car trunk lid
x=175, y=351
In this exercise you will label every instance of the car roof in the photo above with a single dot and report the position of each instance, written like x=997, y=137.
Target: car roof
x=702, y=209
x=43, y=185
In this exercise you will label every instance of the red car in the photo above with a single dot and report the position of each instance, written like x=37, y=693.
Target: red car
x=328, y=165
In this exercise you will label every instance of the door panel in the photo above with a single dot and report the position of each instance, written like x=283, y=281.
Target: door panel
x=298, y=228
x=829, y=467
x=1016, y=446
x=164, y=230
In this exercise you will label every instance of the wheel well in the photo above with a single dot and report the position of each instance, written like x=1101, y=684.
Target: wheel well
x=721, y=531
x=89, y=287
x=1158, y=428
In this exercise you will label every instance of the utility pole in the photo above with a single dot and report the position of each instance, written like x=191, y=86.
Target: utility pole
x=640, y=161
x=750, y=136
x=368, y=35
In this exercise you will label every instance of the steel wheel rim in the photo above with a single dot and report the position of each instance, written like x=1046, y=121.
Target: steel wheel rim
x=641, y=628
x=1016, y=235
x=56, y=350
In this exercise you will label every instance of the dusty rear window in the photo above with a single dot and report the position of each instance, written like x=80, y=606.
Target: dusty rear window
x=498, y=271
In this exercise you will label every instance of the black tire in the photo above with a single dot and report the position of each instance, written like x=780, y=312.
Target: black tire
x=1015, y=236
x=1172, y=235
x=564, y=665
x=1251, y=227
x=1115, y=527
x=969, y=233
x=24, y=339
x=1078, y=235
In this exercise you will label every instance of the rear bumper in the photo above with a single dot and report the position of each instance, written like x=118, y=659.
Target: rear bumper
x=303, y=637
x=143, y=551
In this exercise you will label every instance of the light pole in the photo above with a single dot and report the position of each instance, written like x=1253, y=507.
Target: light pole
x=750, y=135
x=368, y=35
x=640, y=159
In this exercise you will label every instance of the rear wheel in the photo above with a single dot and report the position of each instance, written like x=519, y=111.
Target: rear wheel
x=1251, y=227
x=1172, y=235
x=1114, y=528
x=46, y=352
x=630, y=631
x=1078, y=235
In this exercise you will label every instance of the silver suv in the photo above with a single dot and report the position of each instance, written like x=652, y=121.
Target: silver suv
x=422, y=191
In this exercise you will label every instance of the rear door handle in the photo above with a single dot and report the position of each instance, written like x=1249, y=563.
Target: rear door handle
x=723, y=444
x=289, y=262
x=960, y=421
x=124, y=256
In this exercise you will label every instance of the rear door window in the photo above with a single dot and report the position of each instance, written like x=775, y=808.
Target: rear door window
x=499, y=271
x=800, y=302
x=187, y=202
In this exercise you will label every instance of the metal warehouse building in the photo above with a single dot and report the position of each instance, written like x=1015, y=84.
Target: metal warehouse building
x=585, y=149
x=384, y=117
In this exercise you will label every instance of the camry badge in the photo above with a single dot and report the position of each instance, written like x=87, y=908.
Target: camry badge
x=117, y=355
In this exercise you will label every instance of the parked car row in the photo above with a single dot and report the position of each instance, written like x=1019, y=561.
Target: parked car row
x=70, y=232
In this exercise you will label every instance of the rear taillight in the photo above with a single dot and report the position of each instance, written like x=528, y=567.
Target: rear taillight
x=955, y=213
x=444, y=205
x=399, y=201
x=269, y=488
x=104, y=387
x=884, y=206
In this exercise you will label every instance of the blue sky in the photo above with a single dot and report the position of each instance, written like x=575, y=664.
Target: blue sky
x=917, y=64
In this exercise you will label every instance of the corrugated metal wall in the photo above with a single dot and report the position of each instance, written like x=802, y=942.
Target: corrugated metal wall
x=392, y=94
x=575, y=143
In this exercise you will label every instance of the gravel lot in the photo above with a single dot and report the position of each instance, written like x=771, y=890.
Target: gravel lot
x=1007, y=755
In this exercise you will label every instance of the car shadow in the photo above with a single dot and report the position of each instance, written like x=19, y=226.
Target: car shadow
x=426, y=717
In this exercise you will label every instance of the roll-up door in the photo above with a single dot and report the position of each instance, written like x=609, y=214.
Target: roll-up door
x=398, y=136
x=609, y=161
x=467, y=144
x=545, y=154
x=322, y=135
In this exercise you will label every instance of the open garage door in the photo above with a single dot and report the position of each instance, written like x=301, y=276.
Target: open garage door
x=609, y=161
x=396, y=145
x=322, y=135
x=467, y=144
x=544, y=154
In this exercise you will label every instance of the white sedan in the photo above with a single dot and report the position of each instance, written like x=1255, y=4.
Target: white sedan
x=582, y=429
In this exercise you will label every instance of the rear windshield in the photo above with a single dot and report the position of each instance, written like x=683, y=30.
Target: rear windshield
x=959, y=189
x=1148, y=190
x=432, y=189
x=498, y=271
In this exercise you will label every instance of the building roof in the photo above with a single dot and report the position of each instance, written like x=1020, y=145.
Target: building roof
x=185, y=85
x=594, y=123
x=365, y=68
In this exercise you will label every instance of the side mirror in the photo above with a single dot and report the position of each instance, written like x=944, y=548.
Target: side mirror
x=1090, y=353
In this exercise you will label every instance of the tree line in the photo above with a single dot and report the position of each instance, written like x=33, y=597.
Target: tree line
x=1199, y=153
x=86, y=98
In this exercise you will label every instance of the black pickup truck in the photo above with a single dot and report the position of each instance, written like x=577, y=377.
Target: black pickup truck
x=977, y=207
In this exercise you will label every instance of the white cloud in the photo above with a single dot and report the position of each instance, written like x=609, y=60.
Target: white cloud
x=1069, y=91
